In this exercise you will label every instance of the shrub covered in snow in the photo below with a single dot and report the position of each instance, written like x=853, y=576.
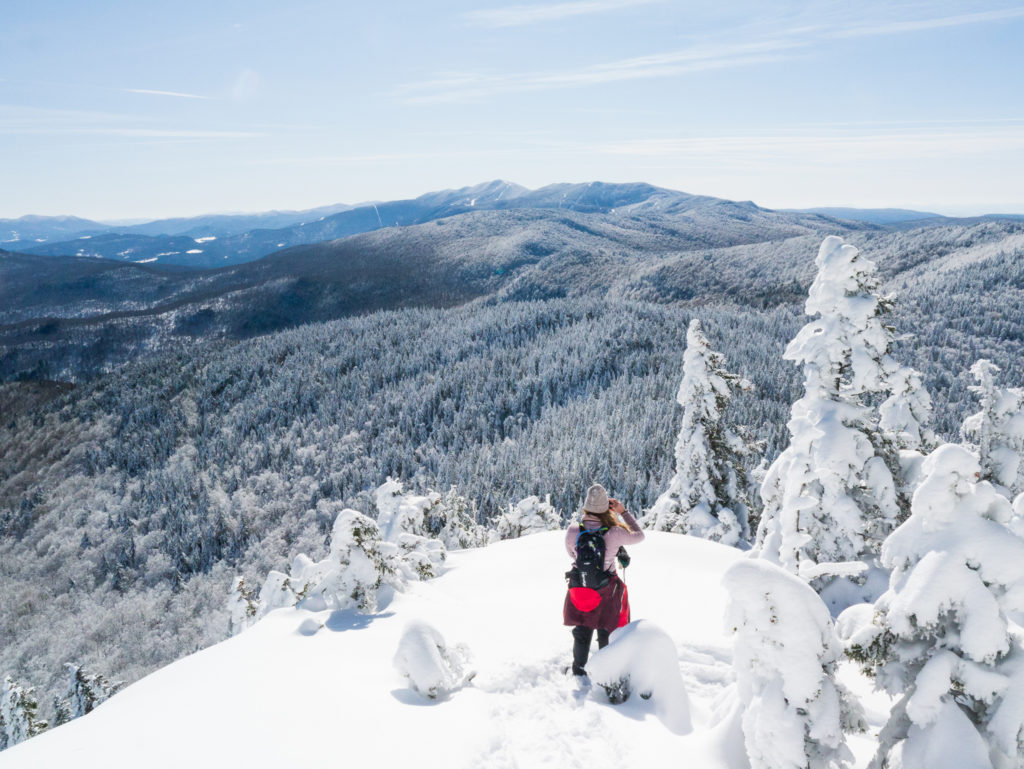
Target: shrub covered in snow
x=707, y=496
x=905, y=415
x=642, y=659
x=528, y=516
x=448, y=518
x=359, y=564
x=830, y=496
x=85, y=692
x=431, y=667
x=941, y=640
x=18, y=720
x=997, y=431
x=243, y=606
x=795, y=713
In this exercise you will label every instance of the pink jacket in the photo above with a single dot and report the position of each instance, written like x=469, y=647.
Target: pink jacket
x=613, y=538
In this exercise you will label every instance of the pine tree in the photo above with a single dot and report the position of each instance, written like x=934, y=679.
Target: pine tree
x=243, y=606
x=905, y=415
x=529, y=515
x=940, y=638
x=18, y=720
x=997, y=431
x=359, y=564
x=707, y=497
x=795, y=714
x=830, y=497
x=85, y=692
x=453, y=521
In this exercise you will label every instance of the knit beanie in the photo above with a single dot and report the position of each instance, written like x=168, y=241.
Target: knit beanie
x=597, y=499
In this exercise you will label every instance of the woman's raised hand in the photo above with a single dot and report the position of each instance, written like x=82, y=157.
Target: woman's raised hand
x=615, y=506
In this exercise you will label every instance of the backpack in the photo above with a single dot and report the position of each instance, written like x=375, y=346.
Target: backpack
x=587, y=574
x=588, y=570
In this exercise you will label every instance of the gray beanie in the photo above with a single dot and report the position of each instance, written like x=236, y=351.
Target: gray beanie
x=597, y=499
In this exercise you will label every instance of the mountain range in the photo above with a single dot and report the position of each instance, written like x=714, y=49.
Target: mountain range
x=220, y=241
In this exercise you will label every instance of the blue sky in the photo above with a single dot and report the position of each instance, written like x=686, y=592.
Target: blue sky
x=143, y=109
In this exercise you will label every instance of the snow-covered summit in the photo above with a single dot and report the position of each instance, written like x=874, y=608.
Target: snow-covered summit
x=317, y=689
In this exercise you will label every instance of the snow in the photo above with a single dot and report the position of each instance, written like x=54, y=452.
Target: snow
x=194, y=251
x=146, y=261
x=304, y=688
x=951, y=742
x=641, y=660
x=432, y=668
x=207, y=239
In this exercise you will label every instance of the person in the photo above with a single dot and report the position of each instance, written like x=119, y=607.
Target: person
x=619, y=529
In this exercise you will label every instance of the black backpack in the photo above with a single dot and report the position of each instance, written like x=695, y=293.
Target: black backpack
x=588, y=570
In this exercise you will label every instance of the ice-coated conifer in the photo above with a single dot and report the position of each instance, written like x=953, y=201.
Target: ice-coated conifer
x=996, y=432
x=85, y=692
x=18, y=720
x=830, y=497
x=707, y=496
x=450, y=518
x=940, y=639
x=359, y=565
x=794, y=712
x=529, y=515
x=905, y=415
x=243, y=606
x=360, y=562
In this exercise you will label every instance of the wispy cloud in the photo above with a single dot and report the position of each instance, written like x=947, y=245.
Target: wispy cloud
x=921, y=25
x=374, y=158
x=173, y=133
x=473, y=87
x=825, y=145
x=780, y=45
x=151, y=92
x=522, y=15
x=37, y=120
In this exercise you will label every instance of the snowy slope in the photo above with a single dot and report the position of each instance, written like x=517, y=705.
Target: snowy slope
x=276, y=696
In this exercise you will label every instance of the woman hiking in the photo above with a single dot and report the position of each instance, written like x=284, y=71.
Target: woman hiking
x=597, y=598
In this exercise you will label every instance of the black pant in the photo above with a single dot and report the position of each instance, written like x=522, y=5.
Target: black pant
x=581, y=638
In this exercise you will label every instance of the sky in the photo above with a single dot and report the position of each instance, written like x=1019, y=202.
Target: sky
x=132, y=109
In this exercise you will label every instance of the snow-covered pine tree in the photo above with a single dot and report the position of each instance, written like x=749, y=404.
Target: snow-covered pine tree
x=85, y=692
x=454, y=522
x=243, y=606
x=905, y=415
x=997, y=431
x=529, y=515
x=18, y=719
x=794, y=712
x=940, y=639
x=905, y=430
x=830, y=497
x=450, y=518
x=707, y=496
x=359, y=563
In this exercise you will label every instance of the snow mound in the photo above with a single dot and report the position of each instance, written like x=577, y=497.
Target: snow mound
x=642, y=658
x=432, y=668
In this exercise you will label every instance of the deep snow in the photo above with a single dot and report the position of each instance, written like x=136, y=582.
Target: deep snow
x=303, y=689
